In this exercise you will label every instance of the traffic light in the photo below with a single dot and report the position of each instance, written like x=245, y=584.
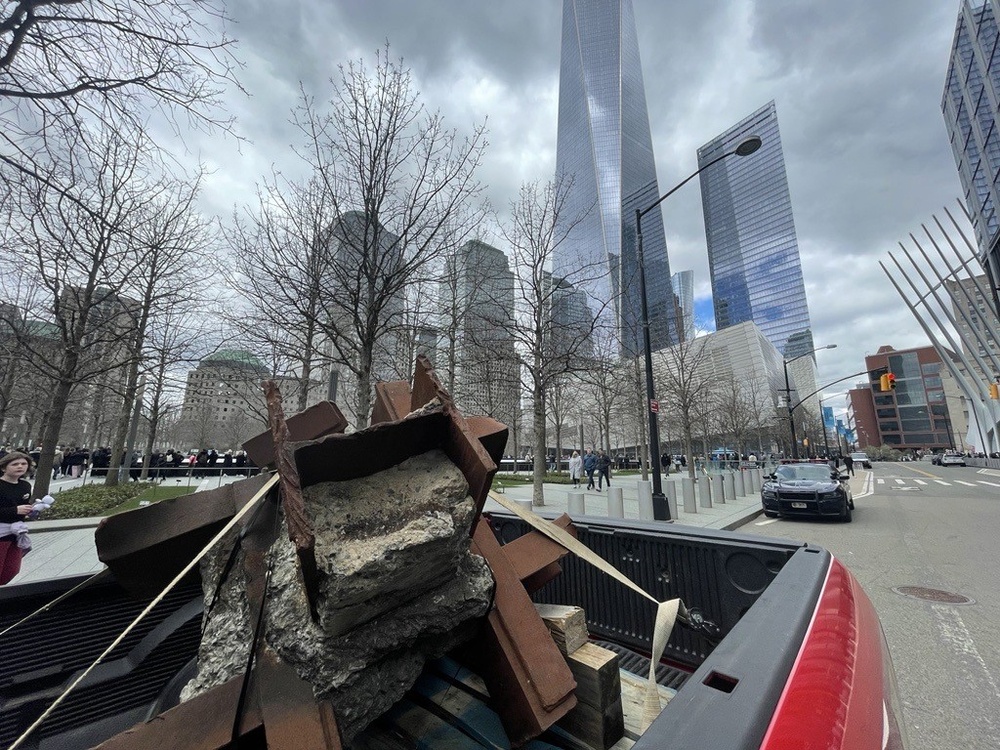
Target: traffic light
x=994, y=391
x=884, y=382
x=892, y=381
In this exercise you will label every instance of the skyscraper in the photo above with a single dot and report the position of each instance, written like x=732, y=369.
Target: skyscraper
x=683, y=285
x=970, y=107
x=753, y=254
x=477, y=297
x=604, y=147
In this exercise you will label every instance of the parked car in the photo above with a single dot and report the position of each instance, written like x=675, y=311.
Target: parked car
x=862, y=459
x=807, y=489
x=952, y=459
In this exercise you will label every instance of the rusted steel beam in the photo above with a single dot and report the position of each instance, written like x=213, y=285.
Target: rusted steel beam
x=392, y=401
x=145, y=548
x=535, y=557
x=318, y=420
x=530, y=685
x=203, y=723
x=293, y=718
x=300, y=529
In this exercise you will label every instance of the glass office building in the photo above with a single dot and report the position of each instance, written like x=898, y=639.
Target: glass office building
x=683, y=284
x=604, y=147
x=753, y=254
x=970, y=106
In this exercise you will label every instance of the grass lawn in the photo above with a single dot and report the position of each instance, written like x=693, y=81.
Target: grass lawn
x=152, y=494
x=96, y=500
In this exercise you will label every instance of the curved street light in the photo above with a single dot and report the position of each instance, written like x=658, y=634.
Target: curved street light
x=788, y=395
x=661, y=510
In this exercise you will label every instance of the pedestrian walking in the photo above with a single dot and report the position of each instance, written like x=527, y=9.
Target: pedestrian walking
x=575, y=469
x=603, y=470
x=849, y=463
x=590, y=466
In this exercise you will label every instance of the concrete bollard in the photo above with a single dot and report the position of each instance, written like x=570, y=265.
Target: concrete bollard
x=741, y=485
x=705, y=492
x=730, y=493
x=687, y=488
x=575, y=506
x=670, y=490
x=718, y=491
x=616, y=505
x=752, y=478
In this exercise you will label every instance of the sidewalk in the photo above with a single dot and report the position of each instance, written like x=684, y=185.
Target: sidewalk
x=728, y=515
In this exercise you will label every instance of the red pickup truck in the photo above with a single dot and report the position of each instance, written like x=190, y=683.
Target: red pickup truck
x=783, y=648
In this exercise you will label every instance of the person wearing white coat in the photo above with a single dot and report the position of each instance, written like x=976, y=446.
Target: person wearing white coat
x=575, y=469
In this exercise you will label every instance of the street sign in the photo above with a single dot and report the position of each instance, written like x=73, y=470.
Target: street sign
x=654, y=406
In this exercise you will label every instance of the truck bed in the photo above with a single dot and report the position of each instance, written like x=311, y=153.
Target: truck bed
x=760, y=593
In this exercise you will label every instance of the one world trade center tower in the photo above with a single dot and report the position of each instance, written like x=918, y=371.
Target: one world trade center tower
x=604, y=147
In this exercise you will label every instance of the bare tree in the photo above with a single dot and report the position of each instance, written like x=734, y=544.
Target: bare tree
x=402, y=187
x=685, y=378
x=104, y=63
x=284, y=268
x=552, y=333
x=169, y=246
x=80, y=257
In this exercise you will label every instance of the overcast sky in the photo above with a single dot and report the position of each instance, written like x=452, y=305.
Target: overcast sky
x=857, y=85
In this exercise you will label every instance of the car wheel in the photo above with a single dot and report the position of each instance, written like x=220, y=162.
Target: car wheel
x=770, y=514
x=850, y=503
x=845, y=514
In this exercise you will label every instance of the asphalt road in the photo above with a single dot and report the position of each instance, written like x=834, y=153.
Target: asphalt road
x=938, y=528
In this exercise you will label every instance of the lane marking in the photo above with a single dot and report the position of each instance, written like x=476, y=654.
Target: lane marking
x=906, y=465
x=941, y=481
x=880, y=481
x=967, y=484
x=765, y=523
x=920, y=481
x=991, y=484
x=900, y=481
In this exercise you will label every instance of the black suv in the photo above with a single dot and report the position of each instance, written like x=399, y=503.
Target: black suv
x=807, y=489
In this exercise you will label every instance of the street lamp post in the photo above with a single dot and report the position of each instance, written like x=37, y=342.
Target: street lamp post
x=788, y=395
x=661, y=511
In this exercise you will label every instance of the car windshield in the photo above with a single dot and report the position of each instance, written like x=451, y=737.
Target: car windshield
x=813, y=472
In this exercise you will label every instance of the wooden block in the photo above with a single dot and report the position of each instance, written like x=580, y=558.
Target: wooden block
x=634, y=699
x=595, y=727
x=567, y=624
x=596, y=672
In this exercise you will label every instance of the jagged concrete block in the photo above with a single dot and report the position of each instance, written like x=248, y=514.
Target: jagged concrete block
x=398, y=585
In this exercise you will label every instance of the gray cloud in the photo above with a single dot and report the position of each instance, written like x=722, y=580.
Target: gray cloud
x=857, y=84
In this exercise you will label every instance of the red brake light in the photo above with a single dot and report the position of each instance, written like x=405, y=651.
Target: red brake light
x=838, y=695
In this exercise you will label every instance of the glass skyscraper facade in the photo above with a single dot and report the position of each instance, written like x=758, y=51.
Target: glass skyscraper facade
x=753, y=254
x=970, y=106
x=683, y=284
x=604, y=147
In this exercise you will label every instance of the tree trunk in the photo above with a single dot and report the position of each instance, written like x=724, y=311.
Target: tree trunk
x=118, y=446
x=538, y=473
x=43, y=472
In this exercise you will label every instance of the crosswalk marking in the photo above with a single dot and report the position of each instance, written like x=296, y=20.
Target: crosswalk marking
x=880, y=481
x=941, y=481
x=991, y=484
x=900, y=481
x=967, y=484
x=920, y=481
